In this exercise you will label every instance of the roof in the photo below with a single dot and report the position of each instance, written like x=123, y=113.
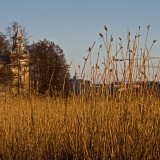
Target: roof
x=23, y=52
x=18, y=35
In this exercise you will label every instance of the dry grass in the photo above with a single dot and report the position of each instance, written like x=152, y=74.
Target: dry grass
x=79, y=128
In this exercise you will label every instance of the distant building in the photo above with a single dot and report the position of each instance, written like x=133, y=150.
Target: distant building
x=16, y=64
x=79, y=85
x=19, y=62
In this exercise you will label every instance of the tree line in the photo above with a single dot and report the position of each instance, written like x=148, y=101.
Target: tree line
x=47, y=63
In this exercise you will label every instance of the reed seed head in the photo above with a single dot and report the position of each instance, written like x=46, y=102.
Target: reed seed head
x=148, y=26
x=154, y=41
x=97, y=66
x=111, y=38
x=101, y=35
x=85, y=59
x=89, y=49
x=137, y=36
x=105, y=28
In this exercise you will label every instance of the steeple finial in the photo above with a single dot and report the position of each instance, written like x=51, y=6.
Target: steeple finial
x=18, y=24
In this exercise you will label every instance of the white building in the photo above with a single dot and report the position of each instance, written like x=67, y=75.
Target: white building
x=79, y=85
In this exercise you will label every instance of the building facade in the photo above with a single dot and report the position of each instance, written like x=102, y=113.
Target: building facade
x=79, y=85
x=17, y=65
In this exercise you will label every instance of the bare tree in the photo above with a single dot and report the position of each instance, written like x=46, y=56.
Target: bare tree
x=5, y=73
x=4, y=45
x=12, y=28
x=48, y=67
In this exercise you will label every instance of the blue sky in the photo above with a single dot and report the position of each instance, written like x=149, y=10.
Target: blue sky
x=75, y=24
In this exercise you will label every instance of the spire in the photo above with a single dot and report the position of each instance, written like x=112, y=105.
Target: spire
x=18, y=34
x=17, y=38
x=18, y=20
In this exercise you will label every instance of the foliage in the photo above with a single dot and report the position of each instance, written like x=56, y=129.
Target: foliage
x=4, y=45
x=5, y=73
x=48, y=66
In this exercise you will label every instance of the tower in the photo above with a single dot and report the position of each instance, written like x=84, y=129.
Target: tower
x=19, y=64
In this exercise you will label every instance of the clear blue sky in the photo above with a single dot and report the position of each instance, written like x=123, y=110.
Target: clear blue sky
x=75, y=24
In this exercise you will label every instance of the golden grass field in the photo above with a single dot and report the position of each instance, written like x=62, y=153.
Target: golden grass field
x=124, y=125
x=80, y=127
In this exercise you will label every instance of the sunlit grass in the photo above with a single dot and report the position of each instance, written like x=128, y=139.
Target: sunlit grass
x=79, y=128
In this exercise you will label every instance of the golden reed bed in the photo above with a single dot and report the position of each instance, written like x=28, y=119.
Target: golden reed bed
x=80, y=128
